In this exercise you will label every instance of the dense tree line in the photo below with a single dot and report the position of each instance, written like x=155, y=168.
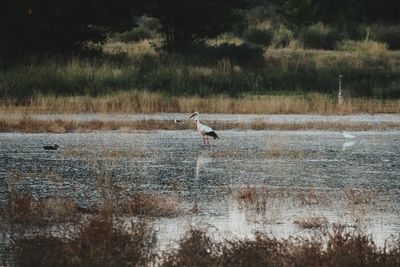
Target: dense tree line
x=57, y=25
x=47, y=26
x=337, y=11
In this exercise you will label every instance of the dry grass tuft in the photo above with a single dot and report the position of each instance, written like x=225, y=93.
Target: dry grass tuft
x=316, y=222
x=195, y=249
x=356, y=197
x=30, y=125
x=252, y=198
x=23, y=207
x=311, y=197
x=99, y=242
x=335, y=248
x=278, y=151
x=153, y=102
x=150, y=206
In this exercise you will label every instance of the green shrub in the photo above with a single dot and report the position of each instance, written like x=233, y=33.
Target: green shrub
x=320, y=36
x=134, y=35
x=389, y=34
x=282, y=37
x=361, y=46
x=358, y=32
x=149, y=23
x=259, y=35
x=230, y=70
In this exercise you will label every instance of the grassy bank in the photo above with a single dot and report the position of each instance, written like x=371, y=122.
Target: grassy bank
x=225, y=69
x=152, y=102
x=29, y=125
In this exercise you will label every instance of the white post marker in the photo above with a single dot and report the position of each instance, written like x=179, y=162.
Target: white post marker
x=340, y=95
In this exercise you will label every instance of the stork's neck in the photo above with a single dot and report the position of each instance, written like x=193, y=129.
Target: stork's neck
x=198, y=123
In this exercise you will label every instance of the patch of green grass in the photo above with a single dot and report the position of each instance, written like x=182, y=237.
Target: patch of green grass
x=226, y=69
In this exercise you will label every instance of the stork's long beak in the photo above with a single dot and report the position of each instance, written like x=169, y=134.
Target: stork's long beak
x=187, y=118
x=191, y=116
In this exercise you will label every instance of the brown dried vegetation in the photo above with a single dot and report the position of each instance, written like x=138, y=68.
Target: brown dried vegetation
x=23, y=207
x=153, y=102
x=30, y=125
x=315, y=222
x=335, y=248
x=356, y=197
x=252, y=198
x=101, y=241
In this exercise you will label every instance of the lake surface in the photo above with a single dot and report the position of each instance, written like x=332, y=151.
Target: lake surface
x=375, y=119
x=305, y=174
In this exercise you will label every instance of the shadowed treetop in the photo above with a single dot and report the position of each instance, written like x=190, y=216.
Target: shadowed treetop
x=48, y=26
x=58, y=26
x=184, y=21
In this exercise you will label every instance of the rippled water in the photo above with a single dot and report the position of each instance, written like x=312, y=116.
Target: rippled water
x=291, y=166
x=242, y=118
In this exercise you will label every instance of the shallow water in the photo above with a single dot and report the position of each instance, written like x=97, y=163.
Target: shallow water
x=375, y=119
x=291, y=166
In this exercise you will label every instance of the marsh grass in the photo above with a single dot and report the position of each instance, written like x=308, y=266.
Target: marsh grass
x=31, y=125
x=315, y=222
x=195, y=249
x=125, y=153
x=252, y=198
x=357, y=197
x=150, y=206
x=312, y=197
x=279, y=151
x=153, y=102
x=338, y=247
x=23, y=207
x=107, y=238
x=365, y=46
x=101, y=241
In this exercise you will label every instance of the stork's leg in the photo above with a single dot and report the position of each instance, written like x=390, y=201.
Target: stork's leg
x=208, y=141
x=204, y=141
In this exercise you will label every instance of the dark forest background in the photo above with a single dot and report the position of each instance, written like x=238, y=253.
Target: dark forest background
x=244, y=46
x=36, y=26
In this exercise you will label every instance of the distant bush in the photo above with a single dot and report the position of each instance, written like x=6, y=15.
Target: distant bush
x=243, y=54
x=134, y=35
x=389, y=34
x=261, y=35
x=229, y=69
x=320, y=36
x=358, y=32
x=149, y=23
x=362, y=46
x=282, y=37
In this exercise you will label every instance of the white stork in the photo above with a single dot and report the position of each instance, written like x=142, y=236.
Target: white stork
x=204, y=130
x=348, y=136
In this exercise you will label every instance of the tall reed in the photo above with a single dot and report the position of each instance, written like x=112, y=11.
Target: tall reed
x=152, y=102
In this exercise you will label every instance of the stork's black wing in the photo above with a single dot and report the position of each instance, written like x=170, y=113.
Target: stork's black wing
x=213, y=134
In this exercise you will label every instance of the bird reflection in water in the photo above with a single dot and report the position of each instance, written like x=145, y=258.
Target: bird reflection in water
x=347, y=145
x=201, y=162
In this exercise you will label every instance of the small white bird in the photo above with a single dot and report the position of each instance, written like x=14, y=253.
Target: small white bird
x=348, y=136
x=204, y=130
